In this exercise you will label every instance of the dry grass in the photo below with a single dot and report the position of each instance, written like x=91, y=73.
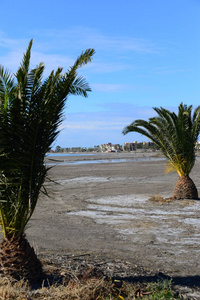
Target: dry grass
x=93, y=289
x=188, y=202
x=83, y=283
x=159, y=199
x=88, y=289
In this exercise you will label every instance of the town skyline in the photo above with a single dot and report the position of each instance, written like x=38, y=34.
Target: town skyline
x=108, y=147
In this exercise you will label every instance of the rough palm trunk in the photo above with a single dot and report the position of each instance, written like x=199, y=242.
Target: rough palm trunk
x=18, y=259
x=185, y=189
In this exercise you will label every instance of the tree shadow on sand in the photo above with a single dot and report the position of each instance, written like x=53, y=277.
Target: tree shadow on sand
x=189, y=281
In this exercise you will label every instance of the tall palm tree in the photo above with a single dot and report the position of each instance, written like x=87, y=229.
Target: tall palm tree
x=176, y=136
x=31, y=110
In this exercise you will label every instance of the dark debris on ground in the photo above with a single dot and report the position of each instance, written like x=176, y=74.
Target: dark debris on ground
x=61, y=268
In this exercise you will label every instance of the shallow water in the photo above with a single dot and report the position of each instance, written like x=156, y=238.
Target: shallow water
x=103, y=161
x=70, y=154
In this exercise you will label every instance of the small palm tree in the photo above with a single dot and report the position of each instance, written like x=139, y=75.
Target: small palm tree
x=176, y=136
x=31, y=110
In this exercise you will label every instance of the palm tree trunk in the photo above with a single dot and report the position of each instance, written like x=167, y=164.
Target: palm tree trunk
x=185, y=188
x=18, y=259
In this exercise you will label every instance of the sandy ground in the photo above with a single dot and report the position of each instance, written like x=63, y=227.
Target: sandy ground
x=104, y=209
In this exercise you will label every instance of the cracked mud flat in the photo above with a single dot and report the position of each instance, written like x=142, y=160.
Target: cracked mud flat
x=104, y=209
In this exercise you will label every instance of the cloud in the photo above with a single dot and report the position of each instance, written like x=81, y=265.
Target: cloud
x=70, y=41
x=89, y=129
x=95, y=128
x=121, y=44
x=78, y=36
x=13, y=55
x=108, y=67
x=168, y=70
x=106, y=87
x=115, y=117
x=12, y=50
x=88, y=122
x=8, y=43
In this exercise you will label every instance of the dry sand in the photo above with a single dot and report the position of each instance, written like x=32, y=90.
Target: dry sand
x=103, y=209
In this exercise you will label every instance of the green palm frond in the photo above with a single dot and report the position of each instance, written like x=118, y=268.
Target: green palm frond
x=28, y=127
x=24, y=66
x=80, y=87
x=22, y=76
x=7, y=87
x=83, y=59
x=175, y=135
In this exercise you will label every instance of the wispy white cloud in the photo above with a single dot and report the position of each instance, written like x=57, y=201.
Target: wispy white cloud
x=88, y=129
x=60, y=48
x=10, y=43
x=90, y=37
x=106, y=87
x=169, y=70
x=121, y=44
x=93, y=121
x=93, y=125
x=100, y=66
x=112, y=119
x=14, y=50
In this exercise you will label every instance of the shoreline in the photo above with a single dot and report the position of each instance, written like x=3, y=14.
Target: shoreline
x=101, y=156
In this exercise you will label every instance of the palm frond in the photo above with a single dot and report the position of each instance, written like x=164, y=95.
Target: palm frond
x=23, y=93
x=83, y=59
x=7, y=86
x=80, y=87
x=175, y=135
x=26, y=59
x=27, y=131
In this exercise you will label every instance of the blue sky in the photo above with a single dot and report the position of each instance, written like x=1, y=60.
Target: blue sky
x=147, y=55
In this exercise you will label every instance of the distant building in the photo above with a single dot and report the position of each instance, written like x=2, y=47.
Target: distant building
x=148, y=145
x=105, y=147
x=197, y=146
x=110, y=147
x=130, y=146
x=138, y=146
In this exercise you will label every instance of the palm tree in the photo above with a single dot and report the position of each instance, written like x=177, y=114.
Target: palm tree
x=31, y=110
x=176, y=136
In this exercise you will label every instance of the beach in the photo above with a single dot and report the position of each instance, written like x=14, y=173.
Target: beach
x=103, y=209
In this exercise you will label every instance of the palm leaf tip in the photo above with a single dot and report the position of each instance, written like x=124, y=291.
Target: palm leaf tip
x=125, y=130
x=26, y=59
x=129, y=128
x=84, y=58
x=87, y=55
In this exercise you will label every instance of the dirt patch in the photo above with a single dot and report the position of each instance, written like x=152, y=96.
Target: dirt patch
x=103, y=209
